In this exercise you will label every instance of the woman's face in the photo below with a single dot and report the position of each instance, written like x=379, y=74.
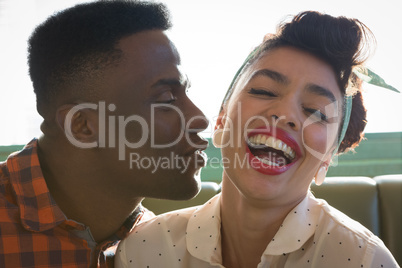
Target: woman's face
x=280, y=125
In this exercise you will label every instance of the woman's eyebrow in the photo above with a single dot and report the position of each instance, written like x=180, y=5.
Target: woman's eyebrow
x=277, y=77
x=322, y=91
x=283, y=79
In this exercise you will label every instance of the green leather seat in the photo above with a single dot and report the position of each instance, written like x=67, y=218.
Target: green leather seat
x=390, y=196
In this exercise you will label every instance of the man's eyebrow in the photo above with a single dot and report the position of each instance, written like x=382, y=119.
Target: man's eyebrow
x=322, y=91
x=278, y=77
x=173, y=82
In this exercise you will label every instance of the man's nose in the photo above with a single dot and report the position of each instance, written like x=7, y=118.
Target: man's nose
x=196, y=120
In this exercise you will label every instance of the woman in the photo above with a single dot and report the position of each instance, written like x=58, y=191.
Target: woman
x=278, y=128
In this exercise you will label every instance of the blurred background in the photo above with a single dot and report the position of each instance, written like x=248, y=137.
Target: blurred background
x=213, y=38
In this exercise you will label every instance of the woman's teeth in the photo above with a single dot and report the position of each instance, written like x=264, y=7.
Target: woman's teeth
x=269, y=141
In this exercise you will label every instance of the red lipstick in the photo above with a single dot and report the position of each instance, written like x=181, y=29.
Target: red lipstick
x=279, y=134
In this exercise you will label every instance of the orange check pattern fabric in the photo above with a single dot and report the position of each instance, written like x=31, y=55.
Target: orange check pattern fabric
x=34, y=232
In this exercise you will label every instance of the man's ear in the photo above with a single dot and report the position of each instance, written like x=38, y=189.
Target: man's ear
x=82, y=124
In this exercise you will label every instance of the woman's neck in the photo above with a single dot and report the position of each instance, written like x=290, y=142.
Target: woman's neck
x=247, y=228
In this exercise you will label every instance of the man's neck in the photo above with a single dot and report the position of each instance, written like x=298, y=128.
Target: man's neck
x=81, y=190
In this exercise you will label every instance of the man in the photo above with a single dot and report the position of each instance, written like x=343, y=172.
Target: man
x=117, y=127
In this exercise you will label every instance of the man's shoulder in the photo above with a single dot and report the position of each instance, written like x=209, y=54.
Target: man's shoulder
x=4, y=174
x=7, y=194
x=20, y=157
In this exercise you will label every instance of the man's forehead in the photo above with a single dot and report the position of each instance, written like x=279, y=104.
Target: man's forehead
x=149, y=39
x=148, y=51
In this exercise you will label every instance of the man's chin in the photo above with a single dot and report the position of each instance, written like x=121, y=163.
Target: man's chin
x=188, y=189
x=180, y=189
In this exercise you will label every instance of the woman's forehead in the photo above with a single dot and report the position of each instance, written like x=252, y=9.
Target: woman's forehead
x=285, y=65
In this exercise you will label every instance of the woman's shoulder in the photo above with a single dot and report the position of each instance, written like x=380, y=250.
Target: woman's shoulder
x=337, y=230
x=173, y=223
x=163, y=238
x=334, y=219
x=166, y=222
x=154, y=237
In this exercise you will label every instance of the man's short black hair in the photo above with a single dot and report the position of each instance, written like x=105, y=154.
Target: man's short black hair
x=77, y=42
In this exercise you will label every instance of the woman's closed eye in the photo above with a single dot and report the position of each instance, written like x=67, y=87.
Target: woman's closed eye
x=316, y=113
x=262, y=92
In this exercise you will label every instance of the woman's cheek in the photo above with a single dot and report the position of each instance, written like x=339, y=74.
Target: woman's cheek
x=318, y=139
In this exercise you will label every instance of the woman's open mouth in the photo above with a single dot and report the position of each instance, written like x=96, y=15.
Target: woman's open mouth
x=271, y=151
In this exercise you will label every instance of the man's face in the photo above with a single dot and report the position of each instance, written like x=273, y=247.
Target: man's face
x=149, y=120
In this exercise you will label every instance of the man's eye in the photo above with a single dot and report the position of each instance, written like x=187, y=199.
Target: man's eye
x=317, y=113
x=166, y=97
x=262, y=92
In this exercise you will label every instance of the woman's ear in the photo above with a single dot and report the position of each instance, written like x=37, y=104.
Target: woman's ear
x=219, y=129
x=220, y=122
x=80, y=124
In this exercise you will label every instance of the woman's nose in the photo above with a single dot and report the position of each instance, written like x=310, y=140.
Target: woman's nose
x=284, y=114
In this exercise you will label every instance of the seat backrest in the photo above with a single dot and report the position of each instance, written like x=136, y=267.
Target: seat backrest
x=390, y=193
x=355, y=196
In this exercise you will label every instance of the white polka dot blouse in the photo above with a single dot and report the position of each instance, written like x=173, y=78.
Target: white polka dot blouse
x=313, y=234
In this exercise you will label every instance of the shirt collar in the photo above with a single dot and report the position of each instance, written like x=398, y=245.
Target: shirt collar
x=203, y=232
x=204, y=226
x=38, y=210
x=107, y=249
x=298, y=226
x=138, y=214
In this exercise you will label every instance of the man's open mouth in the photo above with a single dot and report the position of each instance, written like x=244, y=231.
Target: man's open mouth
x=270, y=150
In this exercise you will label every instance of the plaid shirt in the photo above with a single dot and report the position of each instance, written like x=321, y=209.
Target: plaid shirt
x=34, y=232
